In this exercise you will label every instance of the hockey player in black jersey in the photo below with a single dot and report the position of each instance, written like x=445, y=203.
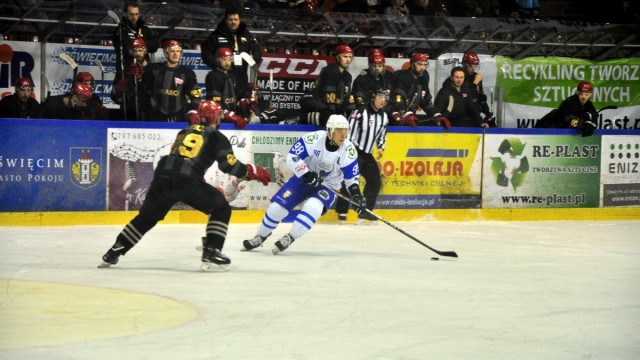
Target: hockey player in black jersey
x=171, y=89
x=222, y=87
x=410, y=91
x=332, y=91
x=374, y=78
x=179, y=176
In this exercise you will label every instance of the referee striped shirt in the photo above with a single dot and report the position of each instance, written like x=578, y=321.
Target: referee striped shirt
x=368, y=127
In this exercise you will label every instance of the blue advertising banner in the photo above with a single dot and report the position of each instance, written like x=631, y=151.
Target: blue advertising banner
x=54, y=166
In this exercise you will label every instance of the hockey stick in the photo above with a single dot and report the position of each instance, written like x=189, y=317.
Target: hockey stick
x=115, y=18
x=99, y=64
x=608, y=107
x=441, y=253
x=47, y=88
x=270, y=88
x=69, y=60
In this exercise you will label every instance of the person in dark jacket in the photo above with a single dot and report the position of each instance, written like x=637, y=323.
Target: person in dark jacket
x=331, y=93
x=20, y=104
x=575, y=112
x=410, y=91
x=171, y=90
x=454, y=104
x=232, y=33
x=131, y=26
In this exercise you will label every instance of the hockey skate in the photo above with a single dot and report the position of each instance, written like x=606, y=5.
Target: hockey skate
x=282, y=244
x=342, y=219
x=110, y=258
x=253, y=243
x=214, y=260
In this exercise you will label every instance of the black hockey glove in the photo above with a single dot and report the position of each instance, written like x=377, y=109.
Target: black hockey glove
x=312, y=179
x=587, y=129
x=358, y=202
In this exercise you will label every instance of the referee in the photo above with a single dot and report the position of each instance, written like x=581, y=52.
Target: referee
x=368, y=128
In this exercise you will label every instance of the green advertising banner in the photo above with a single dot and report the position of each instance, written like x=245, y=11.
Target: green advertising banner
x=531, y=87
x=537, y=171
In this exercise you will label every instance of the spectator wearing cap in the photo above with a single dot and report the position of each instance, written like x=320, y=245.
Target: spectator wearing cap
x=222, y=88
x=233, y=34
x=130, y=88
x=131, y=26
x=331, y=92
x=75, y=105
x=410, y=91
x=21, y=104
x=170, y=89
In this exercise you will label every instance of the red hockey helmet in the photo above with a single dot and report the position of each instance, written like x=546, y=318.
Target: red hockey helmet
x=421, y=57
x=470, y=57
x=138, y=43
x=375, y=51
x=24, y=83
x=209, y=110
x=376, y=59
x=171, y=43
x=585, y=86
x=82, y=91
x=343, y=49
x=224, y=52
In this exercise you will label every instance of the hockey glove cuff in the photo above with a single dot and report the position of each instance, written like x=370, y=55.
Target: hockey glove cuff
x=257, y=173
x=312, y=179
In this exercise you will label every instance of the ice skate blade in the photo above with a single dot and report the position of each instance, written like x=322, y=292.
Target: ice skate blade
x=211, y=267
x=104, y=265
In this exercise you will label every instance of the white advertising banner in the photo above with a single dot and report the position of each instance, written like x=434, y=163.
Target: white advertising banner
x=19, y=59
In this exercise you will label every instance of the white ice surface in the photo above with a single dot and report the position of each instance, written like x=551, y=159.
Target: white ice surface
x=519, y=290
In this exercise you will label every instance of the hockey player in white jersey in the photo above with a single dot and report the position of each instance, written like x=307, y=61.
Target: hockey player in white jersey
x=319, y=160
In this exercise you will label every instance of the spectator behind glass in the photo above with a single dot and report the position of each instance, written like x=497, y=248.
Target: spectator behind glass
x=522, y=9
x=398, y=8
x=476, y=8
x=428, y=7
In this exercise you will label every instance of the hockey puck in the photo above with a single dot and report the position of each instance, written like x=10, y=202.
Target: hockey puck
x=435, y=258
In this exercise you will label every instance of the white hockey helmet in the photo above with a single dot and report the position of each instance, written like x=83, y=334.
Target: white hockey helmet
x=336, y=122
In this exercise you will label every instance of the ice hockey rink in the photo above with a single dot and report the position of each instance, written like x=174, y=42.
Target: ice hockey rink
x=519, y=290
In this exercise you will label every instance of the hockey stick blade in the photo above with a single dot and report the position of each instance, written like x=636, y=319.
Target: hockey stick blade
x=114, y=16
x=441, y=253
x=99, y=64
x=69, y=60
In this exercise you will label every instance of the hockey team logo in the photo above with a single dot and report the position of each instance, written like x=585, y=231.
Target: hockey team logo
x=86, y=166
x=351, y=152
x=510, y=168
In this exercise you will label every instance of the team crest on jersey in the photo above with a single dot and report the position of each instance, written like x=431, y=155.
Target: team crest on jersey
x=178, y=81
x=86, y=166
x=311, y=138
x=351, y=152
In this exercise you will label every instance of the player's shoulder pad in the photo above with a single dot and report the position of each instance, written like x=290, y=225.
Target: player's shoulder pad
x=311, y=138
